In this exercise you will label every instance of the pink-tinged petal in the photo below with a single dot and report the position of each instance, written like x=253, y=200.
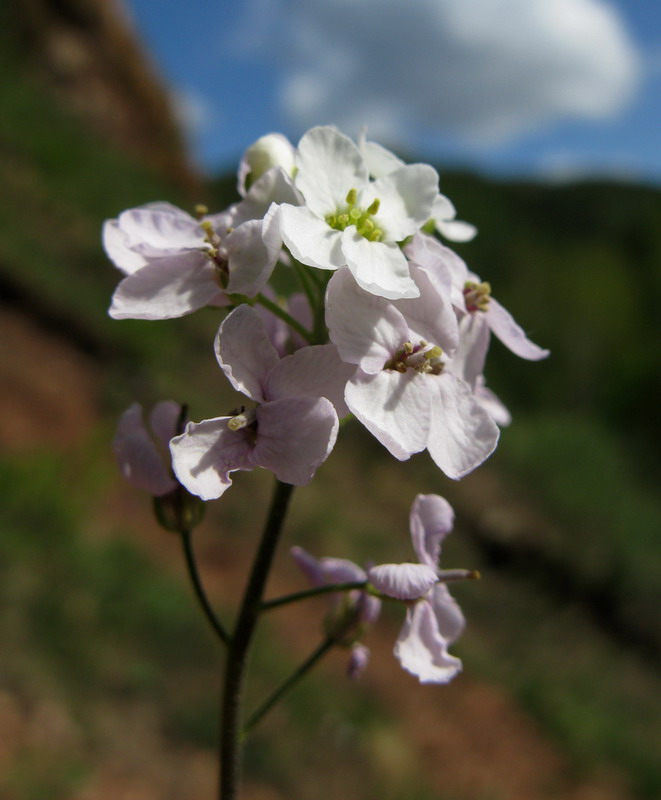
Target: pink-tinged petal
x=358, y=660
x=160, y=229
x=462, y=434
x=315, y=371
x=378, y=267
x=406, y=197
x=394, y=407
x=449, y=617
x=366, y=329
x=167, y=288
x=139, y=460
x=115, y=243
x=402, y=581
x=430, y=316
x=512, y=335
x=163, y=421
x=295, y=436
x=341, y=570
x=455, y=230
x=207, y=452
x=421, y=650
x=492, y=404
x=469, y=358
x=329, y=165
x=299, y=307
x=244, y=351
x=431, y=519
x=309, y=237
x=448, y=268
x=250, y=262
x=369, y=608
x=309, y=565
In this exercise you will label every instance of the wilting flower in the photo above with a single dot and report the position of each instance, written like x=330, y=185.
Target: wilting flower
x=350, y=220
x=433, y=618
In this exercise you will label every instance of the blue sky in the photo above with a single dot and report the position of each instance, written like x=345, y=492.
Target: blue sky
x=546, y=88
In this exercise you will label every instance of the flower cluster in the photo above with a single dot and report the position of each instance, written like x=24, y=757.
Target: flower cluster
x=390, y=326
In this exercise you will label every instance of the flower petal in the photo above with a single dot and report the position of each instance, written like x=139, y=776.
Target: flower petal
x=139, y=460
x=250, y=261
x=406, y=198
x=379, y=267
x=310, y=238
x=295, y=436
x=163, y=421
x=431, y=519
x=160, y=229
x=115, y=243
x=167, y=288
x=462, y=434
x=402, y=581
x=206, y=453
x=421, y=650
x=244, y=351
x=449, y=617
x=510, y=334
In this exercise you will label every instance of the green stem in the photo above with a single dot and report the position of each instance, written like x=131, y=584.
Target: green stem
x=328, y=588
x=231, y=740
x=284, y=316
x=201, y=595
x=289, y=683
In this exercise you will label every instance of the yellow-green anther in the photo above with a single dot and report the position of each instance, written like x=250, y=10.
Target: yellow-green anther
x=376, y=235
x=374, y=208
x=343, y=220
x=434, y=352
x=352, y=194
x=355, y=214
x=207, y=227
x=200, y=210
x=331, y=219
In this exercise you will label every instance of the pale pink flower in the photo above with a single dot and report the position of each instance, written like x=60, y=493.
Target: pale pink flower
x=350, y=220
x=291, y=431
x=433, y=618
x=402, y=389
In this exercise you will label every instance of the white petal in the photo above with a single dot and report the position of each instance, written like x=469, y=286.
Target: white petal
x=431, y=519
x=295, y=436
x=456, y=230
x=161, y=229
x=244, y=351
x=462, y=434
x=511, y=335
x=163, y=421
x=402, y=581
x=115, y=243
x=449, y=617
x=139, y=461
x=406, y=197
x=468, y=360
x=309, y=237
x=379, y=160
x=421, y=650
x=167, y=288
x=447, y=267
x=329, y=165
x=366, y=329
x=394, y=407
x=379, y=267
x=492, y=404
x=250, y=262
x=204, y=456
x=315, y=371
x=443, y=208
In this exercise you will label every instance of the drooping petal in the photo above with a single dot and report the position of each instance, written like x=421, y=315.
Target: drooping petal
x=449, y=617
x=456, y=230
x=442, y=262
x=309, y=565
x=469, y=358
x=402, y=581
x=341, y=570
x=295, y=436
x=163, y=421
x=512, y=335
x=365, y=328
x=329, y=165
x=394, y=407
x=406, y=197
x=309, y=237
x=314, y=371
x=139, y=460
x=115, y=243
x=492, y=404
x=378, y=267
x=421, y=650
x=167, y=288
x=244, y=351
x=462, y=435
x=431, y=519
x=207, y=452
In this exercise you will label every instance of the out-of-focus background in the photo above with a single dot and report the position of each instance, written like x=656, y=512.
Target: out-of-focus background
x=541, y=119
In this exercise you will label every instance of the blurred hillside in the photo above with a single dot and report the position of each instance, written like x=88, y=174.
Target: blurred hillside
x=106, y=672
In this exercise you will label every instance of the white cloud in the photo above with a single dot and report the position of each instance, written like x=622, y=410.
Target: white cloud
x=194, y=112
x=482, y=70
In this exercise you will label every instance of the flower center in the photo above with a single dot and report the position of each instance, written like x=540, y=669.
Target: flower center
x=215, y=252
x=423, y=358
x=477, y=296
x=361, y=218
x=246, y=418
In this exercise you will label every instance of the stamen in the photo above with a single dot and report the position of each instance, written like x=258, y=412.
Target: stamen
x=200, y=210
x=242, y=420
x=352, y=194
x=477, y=296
